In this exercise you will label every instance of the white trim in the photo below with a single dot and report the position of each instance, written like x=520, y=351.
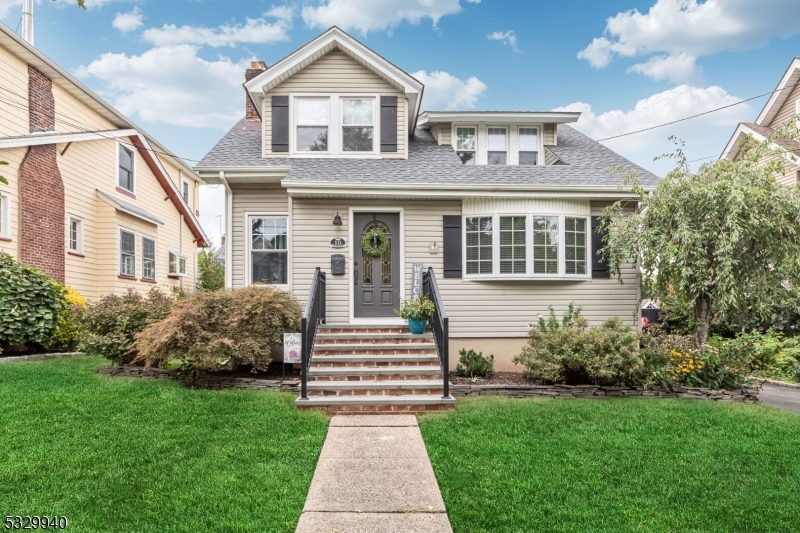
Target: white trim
x=335, y=125
x=248, y=241
x=352, y=252
x=174, y=250
x=779, y=96
x=228, y=231
x=142, y=237
x=742, y=130
x=134, y=153
x=79, y=237
x=120, y=229
x=494, y=117
x=5, y=215
x=454, y=140
x=376, y=127
x=59, y=138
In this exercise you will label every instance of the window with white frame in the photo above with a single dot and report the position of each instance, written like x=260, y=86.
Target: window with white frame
x=5, y=216
x=176, y=263
x=185, y=191
x=358, y=126
x=311, y=119
x=75, y=237
x=528, y=146
x=545, y=245
x=497, y=153
x=575, y=239
x=479, y=245
x=127, y=253
x=125, y=169
x=513, y=246
x=269, y=250
x=148, y=258
x=466, y=144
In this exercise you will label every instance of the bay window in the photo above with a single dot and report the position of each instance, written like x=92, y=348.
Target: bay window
x=513, y=256
x=575, y=238
x=269, y=250
x=127, y=253
x=545, y=245
x=528, y=146
x=497, y=154
x=358, y=125
x=466, y=144
x=312, y=124
x=479, y=245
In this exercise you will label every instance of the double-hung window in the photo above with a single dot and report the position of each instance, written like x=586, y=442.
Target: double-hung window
x=479, y=245
x=148, y=258
x=528, y=146
x=513, y=247
x=75, y=237
x=312, y=124
x=545, y=245
x=497, y=152
x=185, y=191
x=125, y=168
x=466, y=145
x=358, y=126
x=575, y=238
x=127, y=253
x=5, y=216
x=269, y=250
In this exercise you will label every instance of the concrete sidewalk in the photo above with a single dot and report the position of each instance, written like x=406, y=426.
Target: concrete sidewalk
x=374, y=475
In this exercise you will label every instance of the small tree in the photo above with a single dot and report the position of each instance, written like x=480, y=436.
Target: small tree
x=211, y=274
x=720, y=240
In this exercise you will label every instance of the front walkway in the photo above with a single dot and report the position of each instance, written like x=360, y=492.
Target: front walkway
x=374, y=475
x=787, y=398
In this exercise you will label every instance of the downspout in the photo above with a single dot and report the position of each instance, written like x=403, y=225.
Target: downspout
x=180, y=247
x=228, y=231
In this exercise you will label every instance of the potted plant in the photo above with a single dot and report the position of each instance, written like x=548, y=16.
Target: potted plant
x=417, y=311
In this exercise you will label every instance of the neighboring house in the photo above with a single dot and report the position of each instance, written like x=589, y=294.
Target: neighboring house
x=782, y=107
x=92, y=200
x=500, y=204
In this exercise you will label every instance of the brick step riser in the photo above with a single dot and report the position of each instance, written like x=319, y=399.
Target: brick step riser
x=376, y=340
x=381, y=377
x=374, y=364
x=377, y=392
x=382, y=409
x=364, y=331
x=378, y=351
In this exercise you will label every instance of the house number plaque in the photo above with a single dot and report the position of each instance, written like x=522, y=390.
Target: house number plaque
x=338, y=242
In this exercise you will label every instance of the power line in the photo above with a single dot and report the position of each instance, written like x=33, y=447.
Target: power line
x=697, y=115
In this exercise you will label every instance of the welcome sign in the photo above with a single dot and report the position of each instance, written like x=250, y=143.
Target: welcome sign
x=292, y=347
x=416, y=280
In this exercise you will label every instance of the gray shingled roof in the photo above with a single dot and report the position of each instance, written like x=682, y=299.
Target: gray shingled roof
x=587, y=162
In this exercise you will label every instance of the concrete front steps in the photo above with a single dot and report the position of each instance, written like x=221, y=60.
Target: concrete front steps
x=386, y=370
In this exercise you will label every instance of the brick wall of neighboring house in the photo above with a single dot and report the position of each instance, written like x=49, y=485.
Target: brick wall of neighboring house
x=41, y=191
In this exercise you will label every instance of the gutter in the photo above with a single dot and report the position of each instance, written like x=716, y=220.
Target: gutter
x=228, y=231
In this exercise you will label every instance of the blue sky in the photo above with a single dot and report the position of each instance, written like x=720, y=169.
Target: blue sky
x=176, y=67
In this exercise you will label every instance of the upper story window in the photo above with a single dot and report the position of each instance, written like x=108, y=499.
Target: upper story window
x=358, y=125
x=125, y=168
x=466, y=144
x=312, y=124
x=528, y=146
x=185, y=191
x=497, y=151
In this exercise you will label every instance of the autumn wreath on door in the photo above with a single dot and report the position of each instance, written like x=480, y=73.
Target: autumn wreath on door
x=374, y=243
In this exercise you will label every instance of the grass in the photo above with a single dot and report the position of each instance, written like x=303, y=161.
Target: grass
x=132, y=455
x=623, y=465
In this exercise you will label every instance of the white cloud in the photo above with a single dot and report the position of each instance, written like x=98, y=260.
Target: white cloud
x=172, y=85
x=682, y=31
x=285, y=13
x=506, y=37
x=443, y=90
x=126, y=22
x=365, y=16
x=253, y=31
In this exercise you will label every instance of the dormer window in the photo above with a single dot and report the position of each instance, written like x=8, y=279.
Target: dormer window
x=466, y=144
x=528, y=146
x=497, y=154
x=358, y=125
x=312, y=124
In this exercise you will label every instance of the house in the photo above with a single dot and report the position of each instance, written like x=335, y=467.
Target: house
x=334, y=149
x=92, y=201
x=782, y=107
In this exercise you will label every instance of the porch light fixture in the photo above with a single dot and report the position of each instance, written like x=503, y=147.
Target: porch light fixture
x=337, y=220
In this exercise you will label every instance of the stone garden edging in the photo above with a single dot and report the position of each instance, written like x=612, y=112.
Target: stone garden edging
x=746, y=394
x=203, y=381
x=39, y=357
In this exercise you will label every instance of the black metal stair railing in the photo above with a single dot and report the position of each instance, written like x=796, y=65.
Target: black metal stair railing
x=440, y=325
x=313, y=316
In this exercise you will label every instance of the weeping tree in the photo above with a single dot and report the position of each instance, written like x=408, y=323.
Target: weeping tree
x=722, y=240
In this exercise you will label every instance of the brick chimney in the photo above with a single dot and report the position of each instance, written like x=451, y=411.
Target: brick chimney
x=256, y=68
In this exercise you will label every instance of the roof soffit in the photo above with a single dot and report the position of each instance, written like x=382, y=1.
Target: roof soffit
x=778, y=98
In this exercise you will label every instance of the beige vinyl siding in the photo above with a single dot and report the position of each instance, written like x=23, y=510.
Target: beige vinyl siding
x=445, y=134
x=253, y=199
x=787, y=111
x=477, y=309
x=789, y=177
x=337, y=73
x=550, y=158
x=550, y=135
x=14, y=88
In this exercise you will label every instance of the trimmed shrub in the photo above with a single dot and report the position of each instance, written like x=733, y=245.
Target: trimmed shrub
x=473, y=364
x=30, y=303
x=211, y=274
x=70, y=328
x=210, y=330
x=567, y=351
x=113, y=322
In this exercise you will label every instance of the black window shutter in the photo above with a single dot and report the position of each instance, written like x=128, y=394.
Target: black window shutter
x=452, y=245
x=599, y=266
x=388, y=123
x=280, y=123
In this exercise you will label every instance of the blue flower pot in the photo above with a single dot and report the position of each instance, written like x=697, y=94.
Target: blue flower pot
x=417, y=327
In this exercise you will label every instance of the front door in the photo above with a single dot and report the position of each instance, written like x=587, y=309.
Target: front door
x=376, y=278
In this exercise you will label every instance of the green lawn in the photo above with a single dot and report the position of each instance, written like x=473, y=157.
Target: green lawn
x=131, y=455
x=616, y=465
